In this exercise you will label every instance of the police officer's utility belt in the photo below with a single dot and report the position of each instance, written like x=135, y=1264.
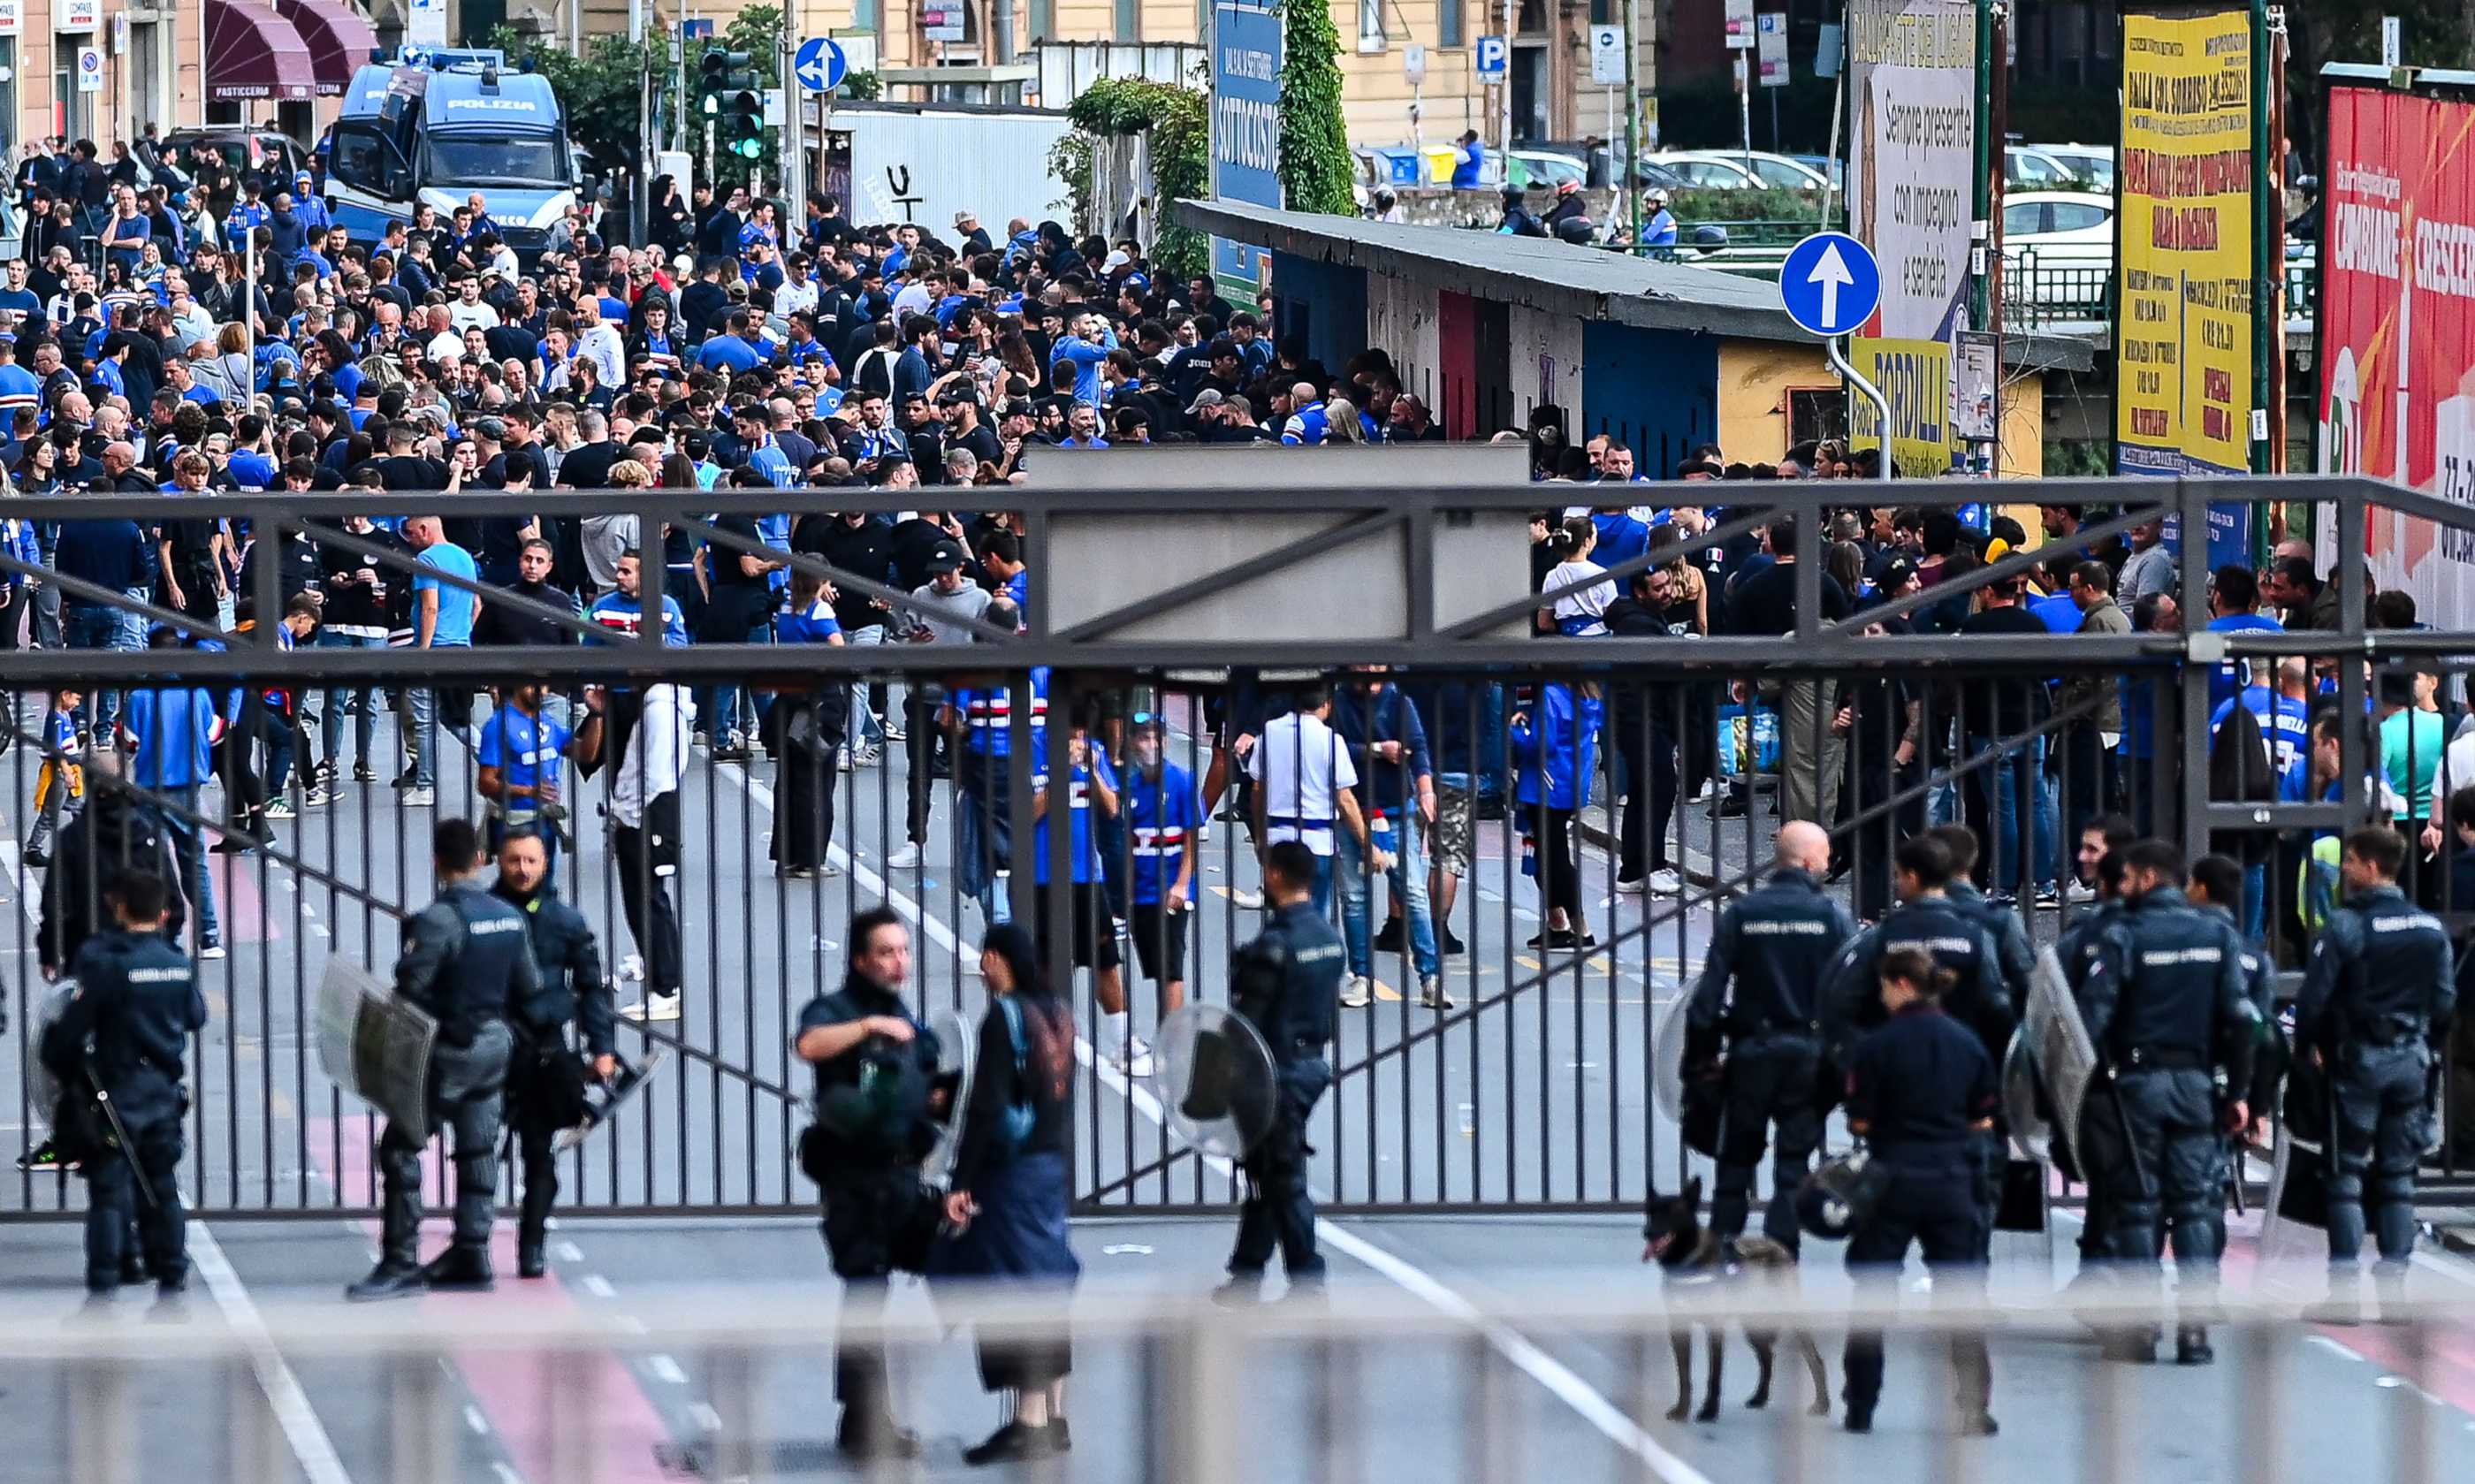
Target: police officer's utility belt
x=2163, y=1059
x=1801, y=1029
x=462, y=1031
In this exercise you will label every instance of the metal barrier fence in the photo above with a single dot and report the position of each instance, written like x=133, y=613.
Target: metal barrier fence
x=1527, y=1091
x=1368, y=1384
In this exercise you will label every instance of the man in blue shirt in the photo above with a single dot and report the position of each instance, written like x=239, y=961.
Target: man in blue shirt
x=2284, y=710
x=442, y=618
x=17, y=298
x=170, y=734
x=1307, y=421
x=2234, y=598
x=736, y=352
x=622, y=609
x=112, y=554
x=1163, y=813
x=1094, y=939
x=1469, y=160
x=522, y=745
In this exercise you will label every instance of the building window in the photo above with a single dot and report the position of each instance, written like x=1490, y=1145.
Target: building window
x=1452, y=24
x=1816, y=414
x=1370, y=25
x=1043, y=20
x=1129, y=21
x=9, y=95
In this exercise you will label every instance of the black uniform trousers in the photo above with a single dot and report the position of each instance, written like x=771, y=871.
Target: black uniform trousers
x=920, y=738
x=865, y=1212
x=528, y=1113
x=465, y=1085
x=2170, y=1115
x=1772, y=1079
x=115, y=1213
x=1279, y=1211
x=2383, y=1125
x=645, y=897
x=1649, y=756
x=1934, y=1206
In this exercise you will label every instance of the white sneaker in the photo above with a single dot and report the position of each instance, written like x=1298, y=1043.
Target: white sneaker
x=631, y=968
x=1246, y=900
x=1432, y=994
x=1135, y=1058
x=1358, y=992
x=655, y=1006
x=1666, y=881
x=1629, y=888
x=212, y=951
x=2078, y=891
x=844, y=760
x=278, y=809
x=418, y=798
x=905, y=858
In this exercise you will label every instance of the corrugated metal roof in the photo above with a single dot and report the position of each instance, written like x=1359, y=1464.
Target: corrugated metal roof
x=1555, y=277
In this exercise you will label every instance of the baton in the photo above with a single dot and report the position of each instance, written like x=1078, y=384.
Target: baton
x=120, y=1133
x=2130, y=1144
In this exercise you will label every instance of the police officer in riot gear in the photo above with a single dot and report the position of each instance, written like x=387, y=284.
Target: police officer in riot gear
x=466, y=961
x=1928, y=921
x=1759, y=987
x=2374, y=1011
x=2004, y=926
x=1286, y=983
x=545, y=1082
x=874, y=1066
x=120, y=1049
x=1921, y=1095
x=2169, y=1010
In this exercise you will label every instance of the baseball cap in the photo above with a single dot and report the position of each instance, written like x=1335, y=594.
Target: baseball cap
x=1209, y=397
x=1016, y=407
x=960, y=217
x=945, y=558
x=491, y=428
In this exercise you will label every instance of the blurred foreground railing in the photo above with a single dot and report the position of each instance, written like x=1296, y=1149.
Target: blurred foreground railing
x=1375, y=1382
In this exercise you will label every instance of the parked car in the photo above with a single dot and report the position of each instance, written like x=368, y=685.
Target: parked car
x=1545, y=170
x=1758, y=170
x=1709, y=172
x=2092, y=164
x=2059, y=226
x=2025, y=167
x=1835, y=170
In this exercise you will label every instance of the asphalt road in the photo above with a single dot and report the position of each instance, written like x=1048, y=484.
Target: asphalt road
x=1531, y=1095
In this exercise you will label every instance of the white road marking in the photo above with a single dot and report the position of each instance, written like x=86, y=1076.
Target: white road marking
x=475, y=1421
x=507, y=1471
x=1548, y=1372
x=320, y=1463
x=666, y=1370
x=303, y=1432
x=705, y=1418
x=568, y=1251
x=598, y=1286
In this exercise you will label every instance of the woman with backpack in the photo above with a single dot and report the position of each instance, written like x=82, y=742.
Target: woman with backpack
x=1008, y=1205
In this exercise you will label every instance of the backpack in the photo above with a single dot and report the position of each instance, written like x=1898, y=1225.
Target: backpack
x=1021, y=1116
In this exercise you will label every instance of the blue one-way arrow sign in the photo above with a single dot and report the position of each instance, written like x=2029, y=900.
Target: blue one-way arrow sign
x=1830, y=283
x=819, y=64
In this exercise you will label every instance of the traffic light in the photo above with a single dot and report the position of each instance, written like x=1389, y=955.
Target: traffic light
x=742, y=129
x=727, y=87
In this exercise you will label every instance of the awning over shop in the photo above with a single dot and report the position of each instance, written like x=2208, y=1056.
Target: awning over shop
x=339, y=39
x=254, y=53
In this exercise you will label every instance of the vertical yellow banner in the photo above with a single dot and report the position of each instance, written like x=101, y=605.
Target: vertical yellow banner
x=2183, y=392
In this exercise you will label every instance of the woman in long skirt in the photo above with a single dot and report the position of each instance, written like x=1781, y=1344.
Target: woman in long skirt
x=1009, y=1188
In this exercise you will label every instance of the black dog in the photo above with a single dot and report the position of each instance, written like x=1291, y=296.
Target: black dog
x=1688, y=1253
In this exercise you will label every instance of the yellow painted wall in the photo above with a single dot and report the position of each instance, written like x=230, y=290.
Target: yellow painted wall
x=1756, y=376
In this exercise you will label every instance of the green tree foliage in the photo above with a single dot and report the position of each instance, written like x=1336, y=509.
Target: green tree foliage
x=599, y=89
x=1175, y=119
x=1316, y=167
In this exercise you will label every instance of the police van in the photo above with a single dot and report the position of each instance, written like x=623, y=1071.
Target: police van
x=438, y=126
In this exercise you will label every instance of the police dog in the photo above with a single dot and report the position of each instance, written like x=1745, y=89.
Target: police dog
x=1687, y=1252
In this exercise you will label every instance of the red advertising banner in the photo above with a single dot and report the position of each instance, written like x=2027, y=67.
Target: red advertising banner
x=2397, y=327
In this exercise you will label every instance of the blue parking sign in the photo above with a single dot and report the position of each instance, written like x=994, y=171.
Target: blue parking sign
x=1491, y=55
